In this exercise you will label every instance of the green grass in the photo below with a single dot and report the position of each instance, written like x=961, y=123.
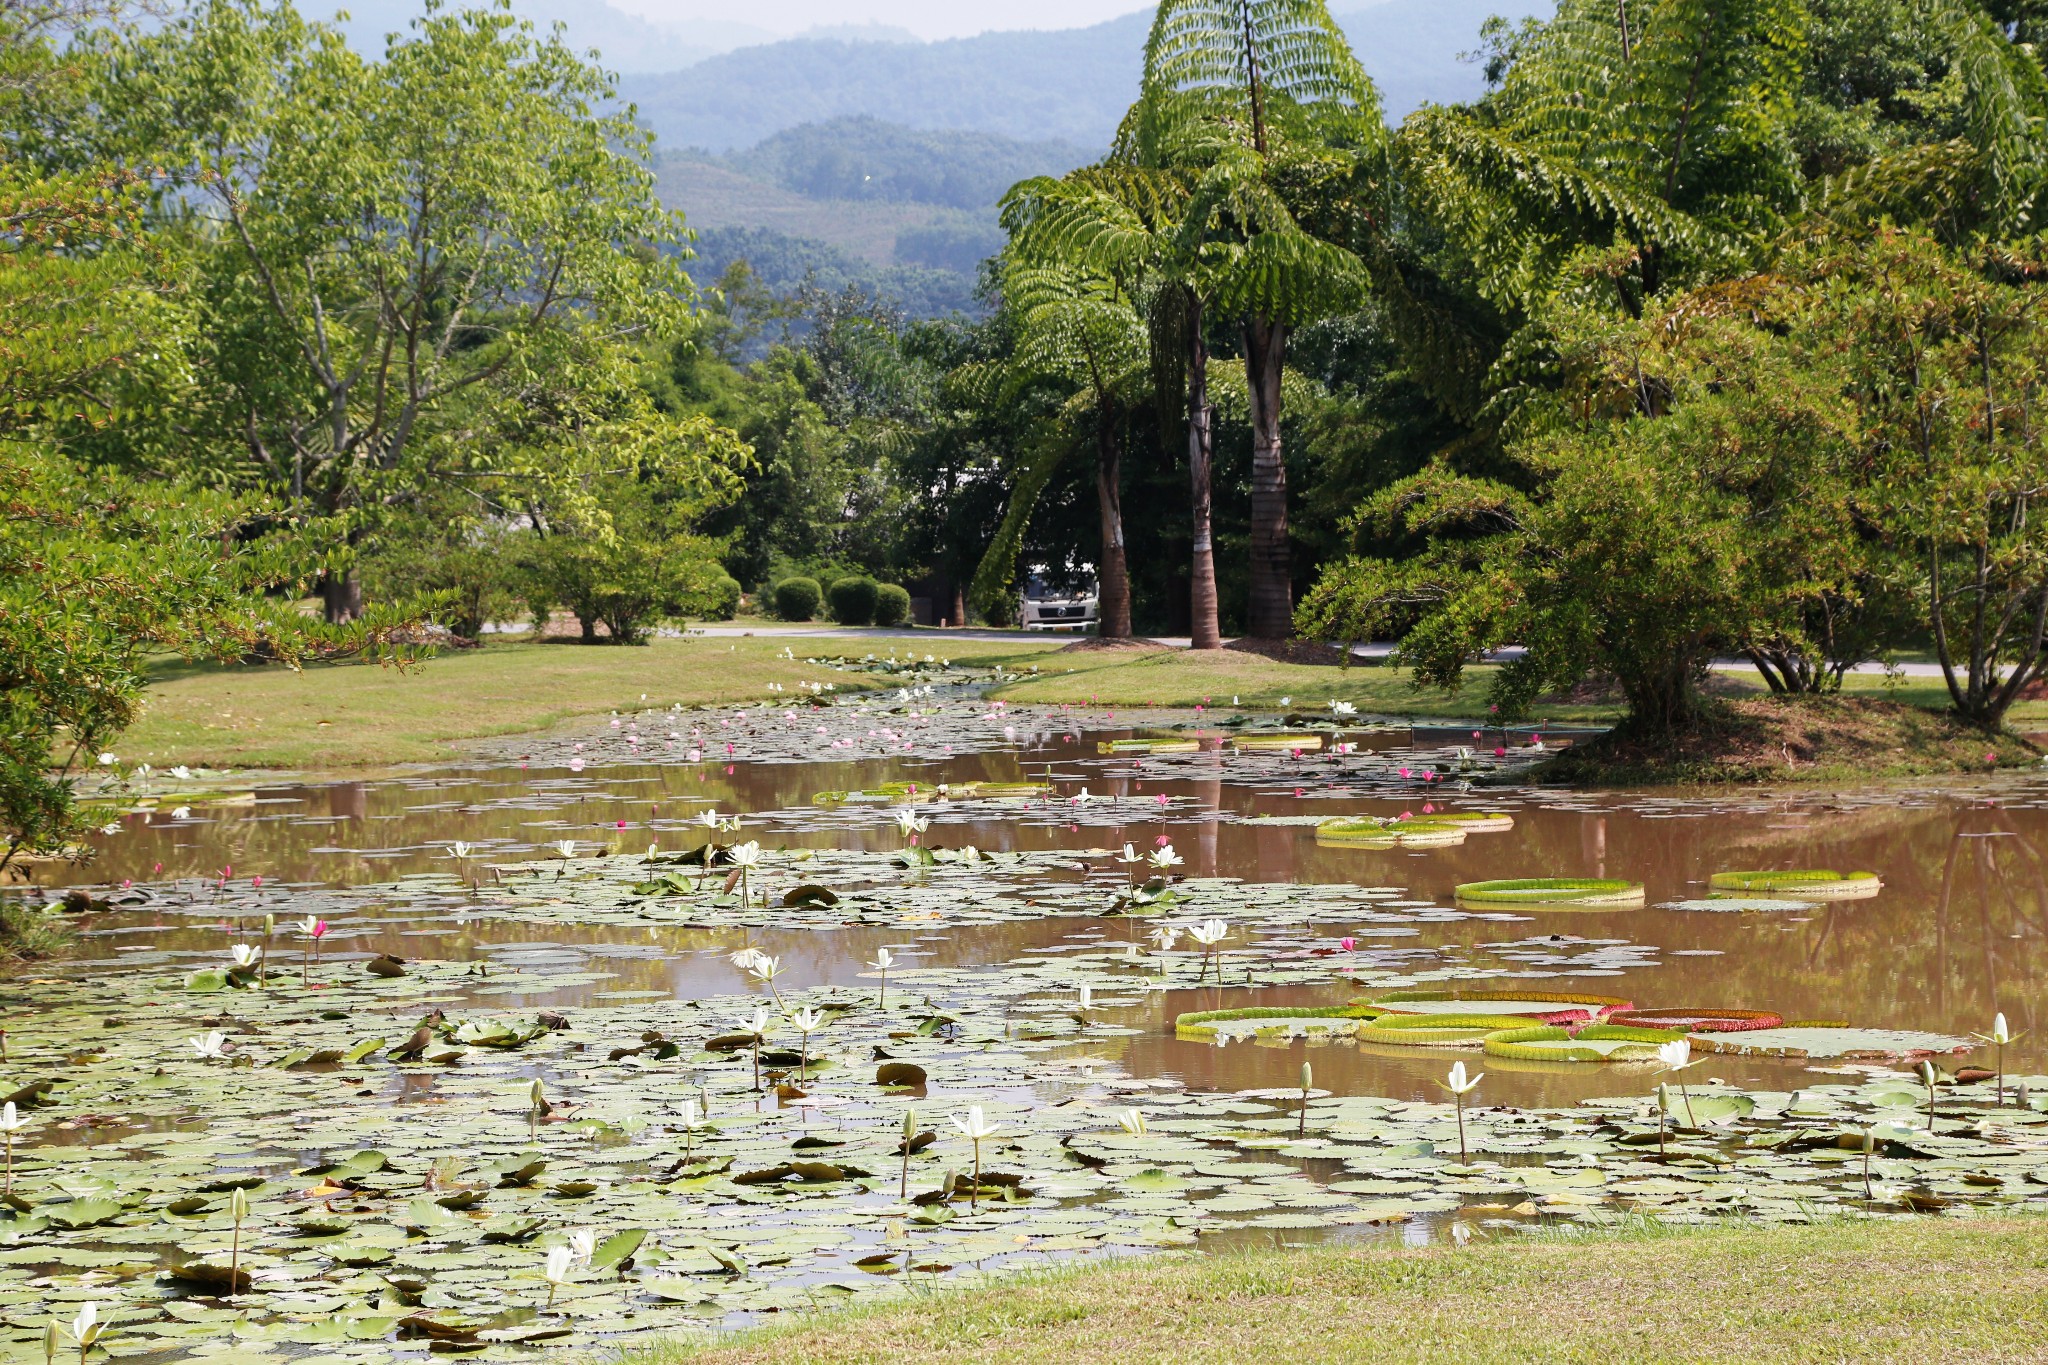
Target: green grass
x=1925, y=1289
x=1213, y=677
x=360, y=715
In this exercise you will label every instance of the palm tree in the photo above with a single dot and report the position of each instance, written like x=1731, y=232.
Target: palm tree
x=1078, y=329
x=1129, y=222
x=1263, y=102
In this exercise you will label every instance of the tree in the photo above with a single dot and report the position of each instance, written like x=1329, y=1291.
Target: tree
x=1948, y=360
x=1264, y=101
x=99, y=570
x=391, y=254
x=1082, y=332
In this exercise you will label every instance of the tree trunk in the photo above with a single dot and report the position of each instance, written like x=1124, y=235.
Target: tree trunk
x=1113, y=581
x=959, y=605
x=1272, y=605
x=341, y=596
x=1203, y=628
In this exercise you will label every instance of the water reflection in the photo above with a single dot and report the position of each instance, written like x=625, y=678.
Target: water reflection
x=1955, y=936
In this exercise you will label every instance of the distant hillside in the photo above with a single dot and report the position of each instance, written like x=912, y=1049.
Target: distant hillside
x=783, y=263
x=860, y=157
x=1068, y=85
x=626, y=41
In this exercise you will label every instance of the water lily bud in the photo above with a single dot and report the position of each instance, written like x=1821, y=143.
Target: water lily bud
x=1308, y=1077
x=538, y=1094
x=909, y=1124
x=1663, y=1098
x=238, y=1205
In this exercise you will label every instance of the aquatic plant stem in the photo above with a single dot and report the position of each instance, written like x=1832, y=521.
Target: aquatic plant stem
x=1460, y=1101
x=974, y=1195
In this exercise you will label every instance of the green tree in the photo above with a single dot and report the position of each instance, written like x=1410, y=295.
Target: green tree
x=391, y=255
x=1266, y=102
x=1083, y=333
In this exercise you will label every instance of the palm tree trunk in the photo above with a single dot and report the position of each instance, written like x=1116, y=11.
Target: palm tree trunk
x=1203, y=627
x=1272, y=605
x=1113, y=587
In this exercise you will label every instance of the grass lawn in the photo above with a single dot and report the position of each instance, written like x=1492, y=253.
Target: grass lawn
x=1214, y=677
x=360, y=715
x=1927, y=1289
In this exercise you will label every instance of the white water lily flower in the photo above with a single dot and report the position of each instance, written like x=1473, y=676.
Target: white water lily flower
x=756, y=1024
x=909, y=822
x=710, y=819
x=245, y=954
x=459, y=848
x=181, y=812
x=560, y=1259
x=1209, y=932
x=974, y=1125
x=765, y=968
x=181, y=772
x=210, y=1045
x=11, y=1121
x=1132, y=1121
x=883, y=960
x=1130, y=855
x=1165, y=858
x=310, y=925
x=805, y=1020
x=1087, y=996
x=583, y=1241
x=1166, y=935
x=106, y=760
x=746, y=855
x=746, y=959
x=84, y=1328
x=1676, y=1055
x=1458, y=1083
x=1343, y=708
x=567, y=847
x=1287, y=701
x=693, y=1114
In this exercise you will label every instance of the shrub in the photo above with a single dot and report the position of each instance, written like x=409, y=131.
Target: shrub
x=797, y=599
x=724, y=603
x=853, y=600
x=625, y=585
x=892, y=605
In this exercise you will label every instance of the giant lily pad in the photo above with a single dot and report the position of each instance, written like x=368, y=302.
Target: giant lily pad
x=1809, y=1040
x=1553, y=893
x=1806, y=884
x=1595, y=1043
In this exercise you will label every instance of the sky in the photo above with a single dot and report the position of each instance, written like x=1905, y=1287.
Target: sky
x=925, y=18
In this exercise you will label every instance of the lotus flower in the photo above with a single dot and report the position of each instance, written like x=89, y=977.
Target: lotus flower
x=560, y=1260
x=974, y=1127
x=10, y=1124
x=1460, y=1085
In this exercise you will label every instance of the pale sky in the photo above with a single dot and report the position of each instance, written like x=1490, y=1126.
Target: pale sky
x=926, y=18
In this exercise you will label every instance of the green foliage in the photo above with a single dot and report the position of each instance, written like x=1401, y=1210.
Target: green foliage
x=797, y=599
x=892, y=605
x=448, y=282
x=853, y=600
x=99, y=570
x=724, y=600
x=628, y=570
x=467, y=569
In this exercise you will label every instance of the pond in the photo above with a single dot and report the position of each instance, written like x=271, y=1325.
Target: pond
x=402, y=1183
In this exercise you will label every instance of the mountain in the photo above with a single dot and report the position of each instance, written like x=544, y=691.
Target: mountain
x=1070, y=85
x=627, y=42
x=862, y=158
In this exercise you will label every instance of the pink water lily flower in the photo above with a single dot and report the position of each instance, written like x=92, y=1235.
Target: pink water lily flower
x=1349, y=945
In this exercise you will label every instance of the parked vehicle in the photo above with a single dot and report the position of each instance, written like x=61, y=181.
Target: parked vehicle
x=1056, y=603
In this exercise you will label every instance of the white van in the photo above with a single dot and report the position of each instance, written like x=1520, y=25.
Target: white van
x=1049, y=604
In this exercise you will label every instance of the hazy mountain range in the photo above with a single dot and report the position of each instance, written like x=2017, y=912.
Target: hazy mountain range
x=866, y=155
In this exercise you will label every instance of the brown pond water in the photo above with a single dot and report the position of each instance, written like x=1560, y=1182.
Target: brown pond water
x=1956, y=935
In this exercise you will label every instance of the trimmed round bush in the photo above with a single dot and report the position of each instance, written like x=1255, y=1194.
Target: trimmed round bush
x=892, y=605
x=853, y=600
x=797, y=599
x=725, y=599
